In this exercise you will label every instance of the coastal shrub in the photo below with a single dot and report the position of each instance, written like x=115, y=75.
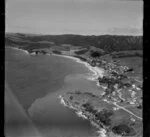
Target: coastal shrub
x=56, y=52
x=95, y=54
x=81, y=58
x=77, y=92
x=127, y=85
x=129, y=70
x=71, y=97
x=139, y=106
x=81, y=51
x=107, y=80
x=123, y=129
x=90, y=94
x=89, y=108
x=109, y=90
x=104, y=116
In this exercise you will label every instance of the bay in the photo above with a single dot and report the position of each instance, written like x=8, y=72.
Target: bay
x=37, y=82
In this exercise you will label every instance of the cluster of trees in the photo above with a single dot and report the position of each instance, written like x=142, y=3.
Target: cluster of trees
x=56, y=52
x=128, y=54
x=81, y=58
x=103, y=116
x=95, y=54
x=140, y=106
x=109, y=81
x=123, y=129
x=106, y=42
x=81, y=51
x=89, y=108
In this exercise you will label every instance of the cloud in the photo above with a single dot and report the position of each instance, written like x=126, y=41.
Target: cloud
x=126, y=30
x=131, y=0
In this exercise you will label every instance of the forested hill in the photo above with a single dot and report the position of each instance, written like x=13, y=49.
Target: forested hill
x=107, y=42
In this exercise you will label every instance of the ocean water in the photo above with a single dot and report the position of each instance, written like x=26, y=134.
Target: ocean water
x=37, y=82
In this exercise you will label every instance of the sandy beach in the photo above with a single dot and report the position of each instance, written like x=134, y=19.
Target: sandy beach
x=97, y=72
x=25, y=51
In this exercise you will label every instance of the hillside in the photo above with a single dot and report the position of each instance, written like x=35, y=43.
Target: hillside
x=109, y=43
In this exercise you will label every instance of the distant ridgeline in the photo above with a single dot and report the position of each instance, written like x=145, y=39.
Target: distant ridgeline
x=108, y=43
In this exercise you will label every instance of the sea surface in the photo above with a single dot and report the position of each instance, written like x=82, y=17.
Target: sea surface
x=36, y=82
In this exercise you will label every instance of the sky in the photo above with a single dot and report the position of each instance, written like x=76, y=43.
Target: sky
x=84, y=17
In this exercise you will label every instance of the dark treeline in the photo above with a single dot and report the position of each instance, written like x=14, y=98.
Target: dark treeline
x=26, y=45
x=106, y=42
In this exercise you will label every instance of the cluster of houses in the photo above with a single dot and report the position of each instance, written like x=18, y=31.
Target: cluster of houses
x=114, y=93
x=113, y=83
x=111, y=66
x=39, y=52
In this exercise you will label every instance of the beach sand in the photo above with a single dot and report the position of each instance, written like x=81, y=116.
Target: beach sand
x=97, y=72
x=24, y=51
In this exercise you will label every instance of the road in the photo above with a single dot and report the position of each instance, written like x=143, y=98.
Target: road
x=115, y=103
x=127, y=110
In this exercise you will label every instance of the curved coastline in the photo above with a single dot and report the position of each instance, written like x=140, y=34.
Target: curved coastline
x=97, y=72
x=100, y=131
x=25, y=51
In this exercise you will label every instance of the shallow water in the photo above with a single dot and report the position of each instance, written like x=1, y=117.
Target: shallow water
x=32, y=77
x=48, y=113
x=17, y=123
x=38, y=81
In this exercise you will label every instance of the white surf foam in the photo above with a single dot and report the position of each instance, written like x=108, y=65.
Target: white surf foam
x=25, y=51
x=96, y=71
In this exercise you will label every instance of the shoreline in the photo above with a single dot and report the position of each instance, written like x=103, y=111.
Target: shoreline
x=94, y=72
x=97, y=72
x=15, y=48
x=101, y=131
